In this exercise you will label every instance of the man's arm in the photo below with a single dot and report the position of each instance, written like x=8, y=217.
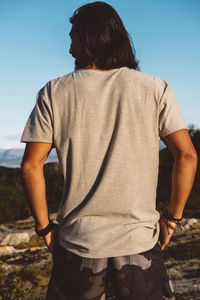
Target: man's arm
x=184, y=169
x=34, y=183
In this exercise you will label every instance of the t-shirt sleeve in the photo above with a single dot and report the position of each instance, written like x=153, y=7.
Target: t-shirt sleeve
x=170, y=116
x=39, y=126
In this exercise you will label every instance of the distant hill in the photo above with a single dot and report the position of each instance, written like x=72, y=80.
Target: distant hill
x=11, y=158
x=8, y=154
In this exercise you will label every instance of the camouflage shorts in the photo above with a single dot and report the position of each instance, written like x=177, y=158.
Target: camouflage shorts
x=133, y=277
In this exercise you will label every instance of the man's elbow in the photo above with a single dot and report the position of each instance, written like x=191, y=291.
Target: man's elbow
x=30, y=166
x=190, y=156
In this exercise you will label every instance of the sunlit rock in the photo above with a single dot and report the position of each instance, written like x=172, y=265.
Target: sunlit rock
x=15, y=239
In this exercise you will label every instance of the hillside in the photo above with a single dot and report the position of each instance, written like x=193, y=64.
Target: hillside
x=13, y=204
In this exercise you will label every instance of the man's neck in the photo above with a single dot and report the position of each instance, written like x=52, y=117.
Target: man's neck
x=93, y=67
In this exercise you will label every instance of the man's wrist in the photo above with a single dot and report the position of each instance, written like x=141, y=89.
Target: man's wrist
x=42, y=225
x=171, y=221
x=173, y=215
x=47, y=229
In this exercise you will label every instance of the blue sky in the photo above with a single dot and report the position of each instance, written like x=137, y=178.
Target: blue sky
x=35, y=49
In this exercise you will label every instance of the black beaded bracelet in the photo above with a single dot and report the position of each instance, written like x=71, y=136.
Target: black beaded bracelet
x=168, y=217
x=168, y=225
x=47, y=229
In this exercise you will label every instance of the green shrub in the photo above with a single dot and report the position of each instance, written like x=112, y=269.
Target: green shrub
x=13, y=202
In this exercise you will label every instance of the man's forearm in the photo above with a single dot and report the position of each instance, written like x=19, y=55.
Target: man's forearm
x=183, y=175
x=34, y=185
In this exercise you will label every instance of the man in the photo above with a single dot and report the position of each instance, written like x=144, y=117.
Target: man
x=105, y=119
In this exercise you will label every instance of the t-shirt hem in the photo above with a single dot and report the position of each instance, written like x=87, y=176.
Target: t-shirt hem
x=35, y=141
x=166, y=133
x=110, y=252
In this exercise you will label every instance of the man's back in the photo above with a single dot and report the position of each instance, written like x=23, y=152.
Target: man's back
x=105, y=128
x=105, y=120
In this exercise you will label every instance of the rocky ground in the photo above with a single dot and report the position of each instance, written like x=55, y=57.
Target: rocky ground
x=26, y=259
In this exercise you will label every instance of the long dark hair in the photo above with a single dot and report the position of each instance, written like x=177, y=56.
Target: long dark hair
x=103, y=38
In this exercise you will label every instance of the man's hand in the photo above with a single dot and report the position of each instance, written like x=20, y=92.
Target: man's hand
x=164, y=236
x=51, y=240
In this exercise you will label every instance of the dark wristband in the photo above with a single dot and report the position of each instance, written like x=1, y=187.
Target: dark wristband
x=47, y=229
x=169, y=217
x=168, y=225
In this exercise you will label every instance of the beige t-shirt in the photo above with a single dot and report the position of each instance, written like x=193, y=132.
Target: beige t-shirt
x=105, y=126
